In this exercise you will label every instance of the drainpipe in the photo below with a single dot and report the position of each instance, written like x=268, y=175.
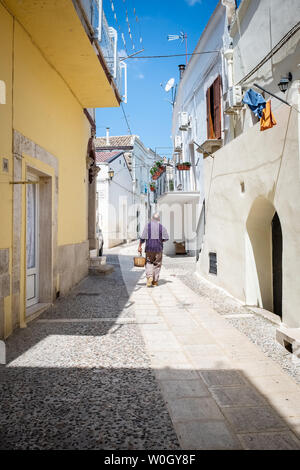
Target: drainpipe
x=123, y=67
x=228, y=54
x=107, y=136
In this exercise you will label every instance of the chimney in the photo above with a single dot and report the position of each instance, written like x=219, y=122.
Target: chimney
x=107, y=136
x=181, y=70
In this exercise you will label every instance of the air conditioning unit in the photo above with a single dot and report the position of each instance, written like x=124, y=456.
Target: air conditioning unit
x=184, y=121
x=234, y=99
x=178, y=143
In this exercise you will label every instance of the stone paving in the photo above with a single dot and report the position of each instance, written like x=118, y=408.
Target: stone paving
x=115, y=365
x=222, y=392
x=260, y=330
x=79, y=377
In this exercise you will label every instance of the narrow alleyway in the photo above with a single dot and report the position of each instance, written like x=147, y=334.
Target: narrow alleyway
x=118, y=366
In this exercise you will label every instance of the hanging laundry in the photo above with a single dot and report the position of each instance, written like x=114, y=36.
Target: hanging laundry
x=268, y=120
x=255, y=101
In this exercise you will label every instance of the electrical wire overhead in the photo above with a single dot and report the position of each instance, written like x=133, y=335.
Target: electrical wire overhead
x=126, y=119
x=168, y=55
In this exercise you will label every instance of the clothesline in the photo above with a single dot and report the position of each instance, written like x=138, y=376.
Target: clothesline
x=277, y=97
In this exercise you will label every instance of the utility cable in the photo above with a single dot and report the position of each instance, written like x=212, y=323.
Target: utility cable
x=167, y=55
x=128, y=126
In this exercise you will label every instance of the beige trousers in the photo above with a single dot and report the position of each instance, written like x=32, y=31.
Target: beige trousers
x=153, y=265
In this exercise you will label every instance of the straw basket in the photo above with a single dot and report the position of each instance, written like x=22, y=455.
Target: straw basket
x=139, y=261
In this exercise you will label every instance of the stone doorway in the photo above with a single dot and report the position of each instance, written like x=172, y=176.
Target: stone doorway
x=263, y=267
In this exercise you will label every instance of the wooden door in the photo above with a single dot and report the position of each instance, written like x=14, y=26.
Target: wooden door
x=277, y=246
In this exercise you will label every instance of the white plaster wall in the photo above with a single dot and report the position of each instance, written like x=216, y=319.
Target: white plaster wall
x=268, y=164
x=261, y=25
x=201, y=72
x=142, y=161
x=116, y=194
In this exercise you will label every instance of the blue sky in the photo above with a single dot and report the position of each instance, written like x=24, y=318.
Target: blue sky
x=148, y=112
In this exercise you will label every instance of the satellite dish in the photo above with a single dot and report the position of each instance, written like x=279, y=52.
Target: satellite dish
x=170, y=84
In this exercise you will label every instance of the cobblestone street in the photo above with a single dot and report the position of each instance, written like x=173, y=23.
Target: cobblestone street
x=115, y=365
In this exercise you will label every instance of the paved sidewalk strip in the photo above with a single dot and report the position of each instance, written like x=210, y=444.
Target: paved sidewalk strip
x=222, y=392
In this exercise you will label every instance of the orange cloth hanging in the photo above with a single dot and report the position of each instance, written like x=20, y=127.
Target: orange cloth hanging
x=268, y=120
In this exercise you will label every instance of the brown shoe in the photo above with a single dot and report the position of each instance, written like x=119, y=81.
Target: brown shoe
x=155, y=283
x=149, y=281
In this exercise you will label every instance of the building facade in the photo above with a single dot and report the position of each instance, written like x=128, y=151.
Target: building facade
x=52, y=73
x=251, y=245
x=246, y=223
x=197, y=119
x=115, y=197
x=139, y=159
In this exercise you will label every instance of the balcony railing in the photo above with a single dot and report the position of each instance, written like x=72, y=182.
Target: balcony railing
x=174, y=180
x=107, y=38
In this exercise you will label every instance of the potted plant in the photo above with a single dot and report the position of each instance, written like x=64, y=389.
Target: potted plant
x=160, y=167
x=153, y=170
x=183, y=166
x=152, y=187
x=157, y=170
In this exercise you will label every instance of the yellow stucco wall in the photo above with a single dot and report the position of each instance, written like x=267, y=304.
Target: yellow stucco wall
x=6, y=128
x=41, y=107
x=46, y=111
x=6, y=35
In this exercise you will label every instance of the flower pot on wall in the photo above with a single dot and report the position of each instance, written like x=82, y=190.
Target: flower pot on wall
x=183, y=167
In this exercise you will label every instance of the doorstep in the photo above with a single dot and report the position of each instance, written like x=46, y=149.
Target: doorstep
x=289, y=338
x=272, y=317
x=35, y=310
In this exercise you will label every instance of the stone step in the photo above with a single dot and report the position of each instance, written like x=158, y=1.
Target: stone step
x=97, y=261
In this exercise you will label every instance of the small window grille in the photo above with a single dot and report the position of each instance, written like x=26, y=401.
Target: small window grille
x=213, y=263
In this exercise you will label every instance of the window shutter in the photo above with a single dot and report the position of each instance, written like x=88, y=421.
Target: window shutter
x=208, y=112
x=217, y=108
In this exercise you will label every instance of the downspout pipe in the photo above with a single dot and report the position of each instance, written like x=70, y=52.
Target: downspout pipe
x=228, y=54
x=123, y=67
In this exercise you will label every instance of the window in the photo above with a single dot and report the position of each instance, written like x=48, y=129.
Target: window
x=213, y=105
x=213, y=263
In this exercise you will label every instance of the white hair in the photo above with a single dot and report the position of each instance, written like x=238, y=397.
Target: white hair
x=156, y=217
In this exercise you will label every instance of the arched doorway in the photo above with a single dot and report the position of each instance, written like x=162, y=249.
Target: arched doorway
x=264, y=246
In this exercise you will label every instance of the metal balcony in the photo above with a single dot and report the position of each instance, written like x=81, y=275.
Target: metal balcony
x=107, y=38
x=175, y=185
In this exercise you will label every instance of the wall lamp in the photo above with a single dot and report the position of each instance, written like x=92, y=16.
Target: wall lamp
x=111, y=174
x=284, y=82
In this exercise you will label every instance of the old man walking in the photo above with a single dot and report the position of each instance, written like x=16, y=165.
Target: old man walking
x=154, y=235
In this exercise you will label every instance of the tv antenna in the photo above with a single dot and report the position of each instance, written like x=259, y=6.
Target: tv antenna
x=182, y=37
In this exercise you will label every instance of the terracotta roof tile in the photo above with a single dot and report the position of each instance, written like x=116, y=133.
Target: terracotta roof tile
x=106, y=155
x=118, y=141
